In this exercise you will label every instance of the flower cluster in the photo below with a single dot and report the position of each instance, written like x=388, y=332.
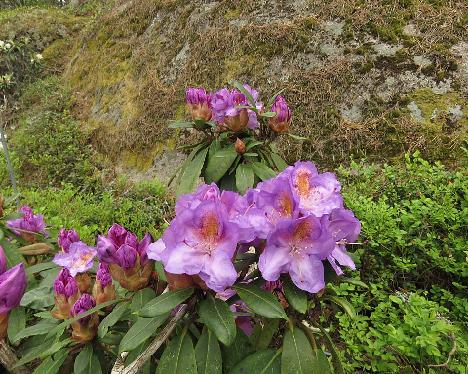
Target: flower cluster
x=12, y=286
x=294, y=221
x=28, y=225
x=231, y=109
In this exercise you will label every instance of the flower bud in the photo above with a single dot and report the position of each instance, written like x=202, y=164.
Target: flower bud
x=179, y=281
x=84, y=282
x=12, y=286
x=103, y=289
x=84, y=330
x=280, y=123
x=34, y=223
x=198, y=103
x=240, y=146
x=238, y=122
x=67, y=237
x=66, y=293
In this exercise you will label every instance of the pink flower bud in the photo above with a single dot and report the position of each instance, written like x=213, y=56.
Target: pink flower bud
x=280, y=123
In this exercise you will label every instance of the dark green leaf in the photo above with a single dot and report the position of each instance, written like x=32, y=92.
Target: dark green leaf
x=42, y=351
x=178, y=357
x=40, y=267
x=297, y=357
x=16, y=322
x=191, y=173
x=141, y=330
x=337, y=365
x=237, y=351
x=208, y=354
x=217, y=316
x=244, y=178
x=262, y=362
x=141, y=298
x=250, y=145
x=320, y=362
x=347, y=307
x=263, y=171
x=296, y=297
x=38, y=298
x=165, y=303
x=219, y=163
x=215, y=146
x=260, y=301
x=52, y=365
x=87, y=362
x=263, y=333
x=280, y=164
x=112, y=318
x=40, y=328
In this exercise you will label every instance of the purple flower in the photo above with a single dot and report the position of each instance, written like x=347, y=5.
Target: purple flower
x=200, y=241
x=199, y=103
x=206, y=192
x=28, y=222
x=296, y=247
x=12, y=286
x=66, y=237
x=318, y=193
x=78, y=259
x=280, y=123
x=82, y=305
x=344, y=228
x=65, y=284
x=103, y=275
x=3, y=260
x=121, y=247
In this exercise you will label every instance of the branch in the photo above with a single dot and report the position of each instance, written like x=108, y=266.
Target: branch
x=133, y=368
x=8, y=359
x=451, y=353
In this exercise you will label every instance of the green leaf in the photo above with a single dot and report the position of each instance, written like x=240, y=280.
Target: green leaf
x=263, y=333
x=87, y=362
x=263, y=171
x=165, y=302
x=158, y=266
x=13, y=257
x=38, y=298
x=40, y=328
x=219, y=164
x=191, y=173
x=320, y=362
x=16, y=322
x=273, y=98
x=260, y=301
x=41, y=267
x=297, y=137
x=42, y=351
x=141, y=298
x=208, y=354
x=347, y=307
x=215, y=146
x=180, y=124
x=268, y=114
x=247, y=94
x=237, y=351
x=337, y=365
x=280, y=164
x=250, y=145
x=112, y=318
x=297, y=357
x=244, y=178
x=296, y=297
x=262, y=362
x=217, y=316
x=178, y=357
x=52, y=365
x=356, y=282
x=141, y=330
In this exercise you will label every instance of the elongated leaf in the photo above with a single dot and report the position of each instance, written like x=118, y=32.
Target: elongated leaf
x=215, y=146
x=356, y=282
x=263, y=171
x=296, y=297
x=41, y=267
x=252, y=144
x=297, y=137
x=337, y=365
x=280, y=164
x=40, y=352
x=272, y=99
x=262, y=362
x=347, y=307
x=13, y=257
x=40, y=328
x=180, y=124
x=268, y=114
x=52, y=365
x=219, y=163
x=165, y=303
x=178, y=357
x=263, y=333
x=191, y=173
x=297, y=357
x=261, y=302
x=244, y=178
x=112, y=318
x=87, y=362
x=16, y=322
x=38, y=298
x=217, y=316
x=236, y=352
x=208, y=354
x=141, y=330
x=247, y=94
x=141, y=298
x=320, y=362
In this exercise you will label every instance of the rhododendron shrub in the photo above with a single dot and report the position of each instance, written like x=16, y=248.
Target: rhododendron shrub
x=238, y=281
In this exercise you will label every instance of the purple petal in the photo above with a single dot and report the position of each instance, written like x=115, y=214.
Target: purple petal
x=12, y=286
x=307, y=273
